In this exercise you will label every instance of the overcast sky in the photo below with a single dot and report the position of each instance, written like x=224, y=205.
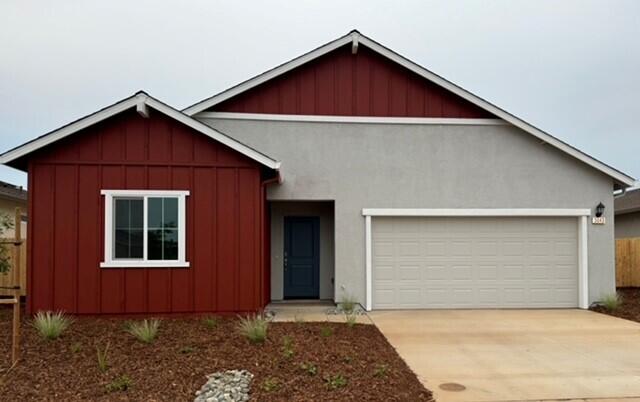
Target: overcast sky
x=571, y=68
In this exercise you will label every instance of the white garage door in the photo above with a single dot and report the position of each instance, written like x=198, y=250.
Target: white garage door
x=474, y=262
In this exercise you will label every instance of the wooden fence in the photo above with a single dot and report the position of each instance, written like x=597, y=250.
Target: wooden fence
x=628, y=262
x=7, y=279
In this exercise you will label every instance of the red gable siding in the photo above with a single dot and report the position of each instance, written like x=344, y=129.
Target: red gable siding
x=341, y=83
x=66, y=236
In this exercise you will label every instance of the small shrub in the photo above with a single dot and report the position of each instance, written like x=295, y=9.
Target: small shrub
x=145, y=330
x=270, y=384
x=336, y=381
x=351, y=319
x=309, y=368
x=76, y=347
x=287, y=347
x=210, y=321
x=187, y=349
x=381, y=370
x=102, y=355
x=348, y=304
x=51, y=325
x=612, y=301
x=326, y=332
x=254, y=327
x=121, y=383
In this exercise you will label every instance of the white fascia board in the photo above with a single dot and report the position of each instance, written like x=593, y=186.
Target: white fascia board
x=476, y=212
x=363, y=40
x=68, y=130
x=619, y=176
x=268, y=75
x=213, y=133
x=136, y=101
x=350, y=119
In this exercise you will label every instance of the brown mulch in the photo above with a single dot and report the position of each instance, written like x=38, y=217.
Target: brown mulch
x=630, y=308
x=174, y=366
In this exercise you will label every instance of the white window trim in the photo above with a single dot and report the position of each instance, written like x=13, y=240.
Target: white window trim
x=109, y=262
x=580, y=213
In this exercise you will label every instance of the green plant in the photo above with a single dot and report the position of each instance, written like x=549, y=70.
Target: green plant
x=102, y=354
x=309, y=368
x=51, y=325
x=326, y=332
x=270, y=384
x=187, y=349
x=121, y=383
x=336, y=381
x=76, y=347
x=351, y=319
x=612, y=301
x=210, y=321
x=254, y=327
x=145, y=330
x=381, y=370
x=6, y=223
x=287, y=347
x=348, y=304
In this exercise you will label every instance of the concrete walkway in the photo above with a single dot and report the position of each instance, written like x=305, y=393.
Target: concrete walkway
x=515, y=355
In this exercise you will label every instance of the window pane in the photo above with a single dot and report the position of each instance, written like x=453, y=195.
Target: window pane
x=162, y=233
x=170, y=213
x=170, y=244
x=154, y=239
x=154, y=216
x=128, y=228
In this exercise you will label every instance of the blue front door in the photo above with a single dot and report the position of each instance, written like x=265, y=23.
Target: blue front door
x=301, y=257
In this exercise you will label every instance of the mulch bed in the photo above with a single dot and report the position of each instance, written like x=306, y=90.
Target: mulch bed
x=630, y=307
x=174, y=366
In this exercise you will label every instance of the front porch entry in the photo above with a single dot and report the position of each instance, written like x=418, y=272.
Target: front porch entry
x=302, y=250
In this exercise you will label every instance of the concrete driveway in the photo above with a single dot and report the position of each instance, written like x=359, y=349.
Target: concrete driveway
x=506, y=355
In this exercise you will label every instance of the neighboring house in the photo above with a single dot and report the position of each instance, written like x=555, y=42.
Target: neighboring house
x=627, y=210
x=347, y=172
x=12, y=197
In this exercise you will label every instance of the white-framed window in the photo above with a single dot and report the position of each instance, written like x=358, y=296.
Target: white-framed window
x=144, y=228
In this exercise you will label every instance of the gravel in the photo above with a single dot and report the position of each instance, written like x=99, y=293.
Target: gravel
x=226, y=386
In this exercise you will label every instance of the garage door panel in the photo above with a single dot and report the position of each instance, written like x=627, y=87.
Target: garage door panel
x=474, y=262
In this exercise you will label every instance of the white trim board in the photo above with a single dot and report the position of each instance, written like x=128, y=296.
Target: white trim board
x=351, y=119
x=109, y=260
x=140, y=101
x=582, y=228
x=362, y=40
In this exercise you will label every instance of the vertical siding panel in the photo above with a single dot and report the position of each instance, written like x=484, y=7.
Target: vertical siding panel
x=203, y=257
x=159, y=287
x=64, y=239
x=433, y=102
x=325, y=87
x=307, y=88
x=269, y=97
x=226, y=235
x=112, y=280
x=288, y=96
x=397, y=94
x=246, y=230
x=204, y=150
x=112, y=142
x=135, y=139
x=181, y=285
x=41, y=264
x=89, y=230
x=415, y=98
x=344, y=88
x=379, y=90
x=135, y=284
x=182, y=141
x=159, y=139
x=363, y=85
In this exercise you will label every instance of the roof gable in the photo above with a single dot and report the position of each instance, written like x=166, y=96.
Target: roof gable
x=356, y=40
x=140, y=101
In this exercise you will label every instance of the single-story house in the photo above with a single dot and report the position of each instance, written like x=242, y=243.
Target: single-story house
x=348, y=172
x=627, y=214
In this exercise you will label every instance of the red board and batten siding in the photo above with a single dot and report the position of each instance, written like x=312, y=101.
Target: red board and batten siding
x=224, y=221
x=344, y=84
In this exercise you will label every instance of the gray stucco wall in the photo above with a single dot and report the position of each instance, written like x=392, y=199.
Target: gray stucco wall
x=324, y=210
x=426, y=166
x=628, y=225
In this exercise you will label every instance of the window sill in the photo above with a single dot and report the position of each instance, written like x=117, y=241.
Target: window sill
x=145, y=264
